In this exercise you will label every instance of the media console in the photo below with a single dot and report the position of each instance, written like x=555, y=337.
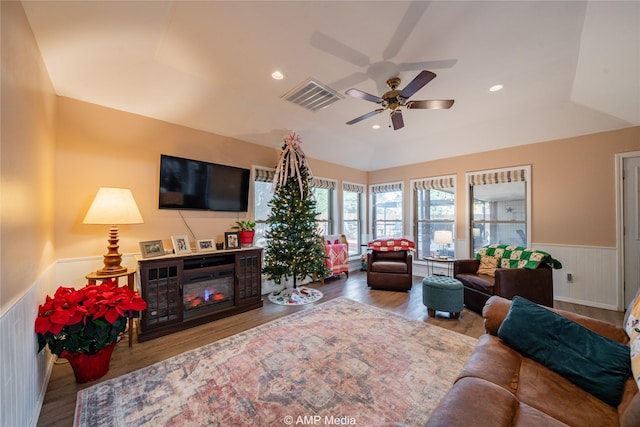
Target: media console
x=183, y=291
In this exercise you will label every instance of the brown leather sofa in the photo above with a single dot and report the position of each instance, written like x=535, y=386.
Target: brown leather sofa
x=535, y=285
x=500, y=387
x=391, y=270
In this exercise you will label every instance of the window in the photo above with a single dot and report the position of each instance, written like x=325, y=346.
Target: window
x=386, y=201
x=262, y=195
x=434, y=210
x=501, y=207
x=352, y=215
x=322, y=190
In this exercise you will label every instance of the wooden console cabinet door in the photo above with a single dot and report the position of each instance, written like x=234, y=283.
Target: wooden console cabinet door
x=161, y=289
x=248, y=277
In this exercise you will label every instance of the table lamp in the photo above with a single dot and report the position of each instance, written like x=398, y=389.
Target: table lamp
x=444, y=238
x=113, y=206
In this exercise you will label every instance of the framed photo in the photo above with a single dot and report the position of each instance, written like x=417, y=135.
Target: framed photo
x=151, y=248
x=206, y=245
x=232, y=240
x=181, y=244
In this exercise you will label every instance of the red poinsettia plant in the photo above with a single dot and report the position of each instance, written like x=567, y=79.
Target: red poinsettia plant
x=86, y=320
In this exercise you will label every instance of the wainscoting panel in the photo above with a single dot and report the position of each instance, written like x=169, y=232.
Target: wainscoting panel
x=72, y=271
x=24, y=372
x=594, y=271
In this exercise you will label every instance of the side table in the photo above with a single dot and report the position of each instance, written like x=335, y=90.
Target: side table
x=431, y=261
x=130, y=274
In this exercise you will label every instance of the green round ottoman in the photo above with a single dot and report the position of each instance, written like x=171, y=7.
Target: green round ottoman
x=443, y=293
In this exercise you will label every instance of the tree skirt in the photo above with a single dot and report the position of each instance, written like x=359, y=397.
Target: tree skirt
x=336, y=363
x=299, y=296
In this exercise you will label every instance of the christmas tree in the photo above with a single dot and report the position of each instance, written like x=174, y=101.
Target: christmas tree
x=295, y=248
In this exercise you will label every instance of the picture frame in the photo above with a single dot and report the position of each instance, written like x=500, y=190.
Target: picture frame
x=205, y=245
x=151, y=248
x=181, y=244
x=232, y=240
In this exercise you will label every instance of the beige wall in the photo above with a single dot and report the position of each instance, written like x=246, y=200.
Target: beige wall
x=573, y=180
x=573, y=184
x=98, y=147
x=27, y=159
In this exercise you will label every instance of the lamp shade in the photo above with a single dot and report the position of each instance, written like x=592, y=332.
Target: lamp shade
x=443, y=237
x=113, y=206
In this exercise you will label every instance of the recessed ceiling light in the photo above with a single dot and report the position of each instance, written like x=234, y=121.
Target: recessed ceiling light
x=277, y=75
x=495, y=88
x=376, y=127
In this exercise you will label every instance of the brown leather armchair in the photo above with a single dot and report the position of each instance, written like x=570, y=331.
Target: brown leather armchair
x=391, y=270
x=535, y=285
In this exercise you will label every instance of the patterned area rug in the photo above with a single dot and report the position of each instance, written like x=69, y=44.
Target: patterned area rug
x=337, y=363
x=299, y=296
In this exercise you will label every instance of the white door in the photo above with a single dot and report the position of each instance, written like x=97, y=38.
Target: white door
x=631, y=209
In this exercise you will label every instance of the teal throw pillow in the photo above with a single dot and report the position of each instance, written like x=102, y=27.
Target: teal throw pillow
x=589, y=360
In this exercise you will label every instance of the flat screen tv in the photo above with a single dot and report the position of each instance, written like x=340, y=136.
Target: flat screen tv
x=194, y=184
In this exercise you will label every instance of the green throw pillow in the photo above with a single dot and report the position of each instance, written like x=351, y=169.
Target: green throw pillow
x=589, y=360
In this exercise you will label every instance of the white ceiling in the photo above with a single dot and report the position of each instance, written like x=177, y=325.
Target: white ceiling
x=568, y=68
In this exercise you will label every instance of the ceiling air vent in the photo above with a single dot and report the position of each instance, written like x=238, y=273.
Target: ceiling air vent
x=312, y=95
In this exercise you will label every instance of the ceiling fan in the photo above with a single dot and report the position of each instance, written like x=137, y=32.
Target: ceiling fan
x=395, y=99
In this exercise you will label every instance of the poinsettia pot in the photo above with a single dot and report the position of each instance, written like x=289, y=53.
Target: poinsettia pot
x=89, y=367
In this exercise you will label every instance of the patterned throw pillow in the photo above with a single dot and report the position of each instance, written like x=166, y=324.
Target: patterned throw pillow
x=488, y=265
x=632, y=327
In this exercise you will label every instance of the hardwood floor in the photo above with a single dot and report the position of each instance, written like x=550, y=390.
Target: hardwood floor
x=59, y=403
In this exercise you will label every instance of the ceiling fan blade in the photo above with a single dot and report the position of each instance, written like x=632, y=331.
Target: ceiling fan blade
x=356, y=93
x=431, y=104
x=338, y=49
x=365, y=116
x=440, y=64
x=348, y=81
x=409, y=21
x=418, y=83
x=396, y=119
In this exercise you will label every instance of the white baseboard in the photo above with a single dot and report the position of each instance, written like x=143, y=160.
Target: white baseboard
x=586, y=303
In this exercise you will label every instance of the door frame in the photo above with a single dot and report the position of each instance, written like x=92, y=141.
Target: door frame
x=620, y=255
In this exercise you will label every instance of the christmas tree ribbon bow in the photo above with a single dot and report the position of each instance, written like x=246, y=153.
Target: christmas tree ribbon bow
x=291, y=158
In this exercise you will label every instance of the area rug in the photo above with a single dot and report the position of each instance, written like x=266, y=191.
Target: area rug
x=337, y=363
x=299, y=296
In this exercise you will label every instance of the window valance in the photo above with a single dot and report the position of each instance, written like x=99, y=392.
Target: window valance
x=436, y=183
x=355, y=188
x=264, y=174
x=386, y=188
x=498, y=177
x=322, y=183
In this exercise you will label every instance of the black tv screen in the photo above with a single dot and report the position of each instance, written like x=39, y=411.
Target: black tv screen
x=194, y=184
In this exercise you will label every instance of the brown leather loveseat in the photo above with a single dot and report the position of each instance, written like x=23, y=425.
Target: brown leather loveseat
x=535, y=285
x=499, y=386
